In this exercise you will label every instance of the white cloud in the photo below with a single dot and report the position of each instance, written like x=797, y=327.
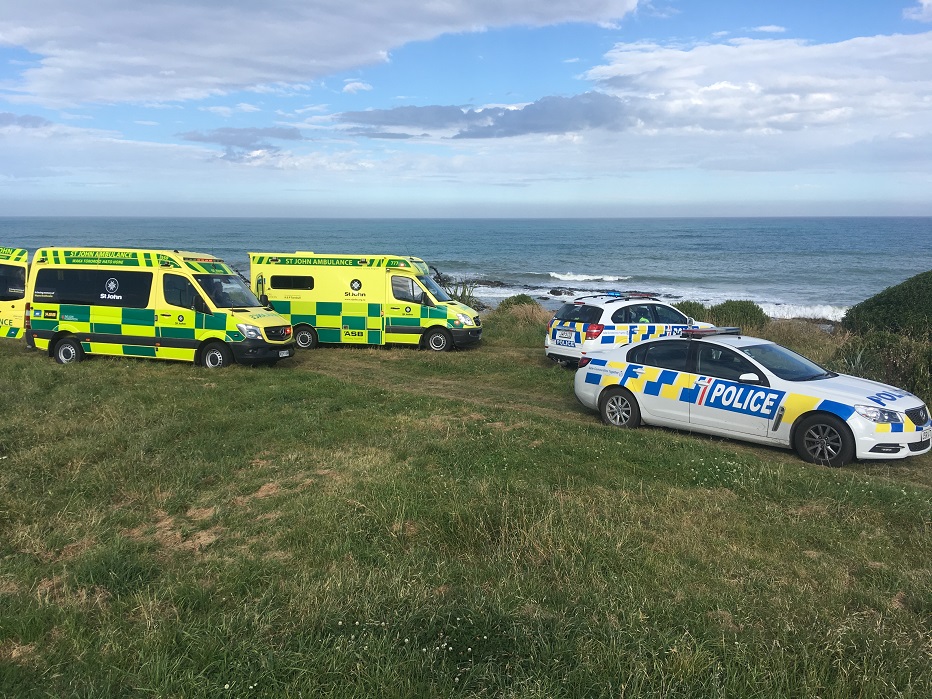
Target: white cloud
x=770, y=29
x=922, y=13
x=356, y=86
x=111, y=51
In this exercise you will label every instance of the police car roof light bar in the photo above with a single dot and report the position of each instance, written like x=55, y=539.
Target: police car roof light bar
x=697, y=333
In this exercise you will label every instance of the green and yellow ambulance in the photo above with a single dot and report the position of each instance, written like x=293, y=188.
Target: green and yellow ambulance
x=362, y=299
x=13, y=269
x=161, y=304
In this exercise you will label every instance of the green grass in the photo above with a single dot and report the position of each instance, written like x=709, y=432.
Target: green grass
x=394, y=523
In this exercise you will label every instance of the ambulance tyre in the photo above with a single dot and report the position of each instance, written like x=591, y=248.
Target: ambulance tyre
x=216, y=355
x=68, y=351
x=438, y=340
x=619, y=408
x=305, y=336
x=824, y=439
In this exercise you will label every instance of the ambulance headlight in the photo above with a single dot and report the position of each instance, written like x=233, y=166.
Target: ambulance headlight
x=250, y=332
x=875, y=414
x=464, y=319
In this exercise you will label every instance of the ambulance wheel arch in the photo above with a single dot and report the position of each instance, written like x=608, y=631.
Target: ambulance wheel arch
x=437, y=339
x=306, y=337
x=215, y=355
x=823, y=438
x=66, y=349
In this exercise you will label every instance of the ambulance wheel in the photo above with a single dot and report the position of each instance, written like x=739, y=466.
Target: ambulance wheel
x=216, y=355
x=824, y=439
x=68, y=351
x=306, y=337
x=618, y=408
x=438, y=341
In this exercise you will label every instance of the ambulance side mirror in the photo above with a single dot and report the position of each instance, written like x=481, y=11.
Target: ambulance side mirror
x=750, y=378
x=264, y=300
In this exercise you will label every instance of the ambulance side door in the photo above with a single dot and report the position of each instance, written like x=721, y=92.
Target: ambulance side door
x=403, y=309
x=726, y=404
x=176, y=312
x=12, y=298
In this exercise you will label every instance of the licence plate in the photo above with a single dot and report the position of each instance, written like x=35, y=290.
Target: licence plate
x=565, y=335
x=927, y=434
x=284, y=353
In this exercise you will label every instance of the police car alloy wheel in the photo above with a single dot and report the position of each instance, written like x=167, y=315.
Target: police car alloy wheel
x=824, y=439
x=619, y=408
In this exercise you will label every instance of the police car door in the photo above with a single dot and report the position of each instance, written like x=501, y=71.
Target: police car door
x=662, y=380
x=724, y=403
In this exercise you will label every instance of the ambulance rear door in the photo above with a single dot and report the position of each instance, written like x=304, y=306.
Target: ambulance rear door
x=13, y=269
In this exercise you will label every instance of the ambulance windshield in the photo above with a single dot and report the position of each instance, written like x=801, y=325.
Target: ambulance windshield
x=434, y=288
x=227, y=291
x=786, y=364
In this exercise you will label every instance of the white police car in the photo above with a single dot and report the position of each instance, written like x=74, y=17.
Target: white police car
x=613, y=319
x=719, y=382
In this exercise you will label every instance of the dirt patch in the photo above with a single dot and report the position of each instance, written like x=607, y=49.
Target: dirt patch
x=167, y=531
x=17, y=653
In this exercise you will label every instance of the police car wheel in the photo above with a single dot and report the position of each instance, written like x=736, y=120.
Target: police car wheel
x=618, y=408
x=216, y=356
x=824, y=439
x=438, y=341
x=306, y=337
x=68, y=351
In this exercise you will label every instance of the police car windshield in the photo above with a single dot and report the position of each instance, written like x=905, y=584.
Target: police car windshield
x=434, y=288
x=227, y=291
x=786, y=363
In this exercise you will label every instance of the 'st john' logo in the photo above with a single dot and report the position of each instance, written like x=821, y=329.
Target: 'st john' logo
x=355, y=285
x=112, y=285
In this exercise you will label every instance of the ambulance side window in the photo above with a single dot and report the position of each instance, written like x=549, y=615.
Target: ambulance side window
x=291, y=281
x=93, y=287
x=12, y=282
x=179, y=291
x=722, y=363
x=667, y=354
x=404, y=289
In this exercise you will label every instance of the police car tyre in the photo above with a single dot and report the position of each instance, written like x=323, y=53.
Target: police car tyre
x=619, y=408
x=68, y=351
x=438, y=340
x=306, y=337
x=824, y=439
x=216, y=355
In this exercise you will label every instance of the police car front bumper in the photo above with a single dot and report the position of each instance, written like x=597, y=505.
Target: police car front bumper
x=465, y=337
x=890, y=445
x=258, y=351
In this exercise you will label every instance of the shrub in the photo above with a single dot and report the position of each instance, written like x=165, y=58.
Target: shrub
x=899, y=360
x=462, y=290
x=519, y=300
x=743, y=314
x=694, y=310
x=905, y=308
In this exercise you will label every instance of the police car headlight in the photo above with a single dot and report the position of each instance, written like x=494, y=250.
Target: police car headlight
x=464, y=319
x=875, y=414
x=250, y=332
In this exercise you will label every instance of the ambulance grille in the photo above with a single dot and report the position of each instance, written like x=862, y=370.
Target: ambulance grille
x=919, y=416
x=279, y=333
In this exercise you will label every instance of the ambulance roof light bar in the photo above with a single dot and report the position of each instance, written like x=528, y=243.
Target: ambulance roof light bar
x=699, y=333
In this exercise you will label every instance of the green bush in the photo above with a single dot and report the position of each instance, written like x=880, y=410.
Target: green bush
x=694, y=310
x=898, y=360
x=905, y=308
x=519, y=300
x=743, y=314
x=464, y=291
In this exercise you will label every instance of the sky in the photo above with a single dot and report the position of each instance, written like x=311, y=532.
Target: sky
x=465, y=108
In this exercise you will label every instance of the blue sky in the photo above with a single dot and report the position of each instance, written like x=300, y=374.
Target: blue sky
x=465, y=108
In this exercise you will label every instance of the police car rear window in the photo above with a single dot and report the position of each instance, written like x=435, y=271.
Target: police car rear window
x=571, y=313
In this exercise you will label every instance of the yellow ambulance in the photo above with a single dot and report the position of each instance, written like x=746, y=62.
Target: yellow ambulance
x=13, y=268
x=362, y=299
x=162, y=304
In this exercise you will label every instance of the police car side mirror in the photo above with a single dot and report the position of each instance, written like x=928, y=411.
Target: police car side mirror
x=750, y=378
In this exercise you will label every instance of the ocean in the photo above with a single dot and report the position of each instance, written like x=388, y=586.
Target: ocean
x=791, y=267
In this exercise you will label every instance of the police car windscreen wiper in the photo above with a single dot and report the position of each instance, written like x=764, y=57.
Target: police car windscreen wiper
x=823, y=375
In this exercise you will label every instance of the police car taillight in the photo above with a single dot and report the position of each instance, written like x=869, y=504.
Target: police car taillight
x=583, y=361
x=594, y=330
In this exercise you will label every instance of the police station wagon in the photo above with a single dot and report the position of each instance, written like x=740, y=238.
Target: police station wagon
x=718, y=382
x=612, y=319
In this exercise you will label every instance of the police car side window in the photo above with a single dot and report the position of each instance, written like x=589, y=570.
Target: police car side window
x=722, y=363
x=667, y=354
x=669, y=316
x=621, y=316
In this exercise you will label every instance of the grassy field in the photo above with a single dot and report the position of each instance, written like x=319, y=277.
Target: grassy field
x=394, y=523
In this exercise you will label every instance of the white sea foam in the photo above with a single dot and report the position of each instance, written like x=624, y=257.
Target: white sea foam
x=570, y=277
